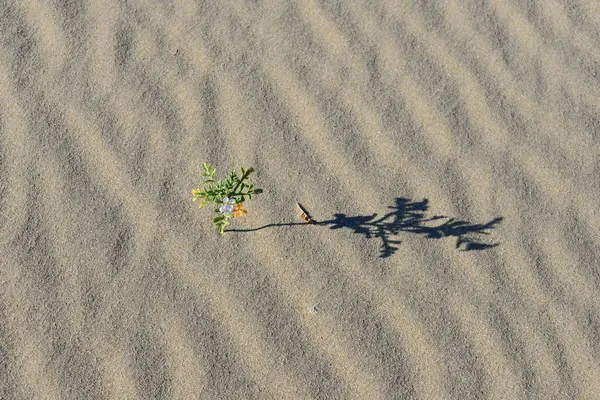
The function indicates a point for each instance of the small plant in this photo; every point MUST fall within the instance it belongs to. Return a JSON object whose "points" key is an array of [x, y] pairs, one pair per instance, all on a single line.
{"points": [[228, 197]]}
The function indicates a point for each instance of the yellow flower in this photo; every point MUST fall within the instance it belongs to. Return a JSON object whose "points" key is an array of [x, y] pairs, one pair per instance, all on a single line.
{"points": [[196, 192], [238, 212]]}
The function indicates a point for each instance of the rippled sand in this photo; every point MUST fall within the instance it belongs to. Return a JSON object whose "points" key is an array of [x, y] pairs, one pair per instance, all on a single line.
{"points": [[449, 152]]}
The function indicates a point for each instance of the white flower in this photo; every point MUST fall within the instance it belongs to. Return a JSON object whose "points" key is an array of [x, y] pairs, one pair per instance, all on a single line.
{"points": [[227, 208]]}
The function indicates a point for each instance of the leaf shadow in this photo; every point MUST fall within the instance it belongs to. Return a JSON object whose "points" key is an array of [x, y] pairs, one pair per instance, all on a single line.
{"points": [[406, 216]]}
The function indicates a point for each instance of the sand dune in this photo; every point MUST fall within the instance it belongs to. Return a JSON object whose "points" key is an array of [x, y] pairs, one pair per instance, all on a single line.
{"points": [[448, 152]]}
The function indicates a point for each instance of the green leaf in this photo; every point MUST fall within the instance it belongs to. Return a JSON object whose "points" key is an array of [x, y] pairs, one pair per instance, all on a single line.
{"points": [[217, 219], [258, 191]]}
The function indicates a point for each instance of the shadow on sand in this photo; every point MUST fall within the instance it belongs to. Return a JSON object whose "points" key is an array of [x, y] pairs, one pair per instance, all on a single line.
{"points": [[406, 216]]}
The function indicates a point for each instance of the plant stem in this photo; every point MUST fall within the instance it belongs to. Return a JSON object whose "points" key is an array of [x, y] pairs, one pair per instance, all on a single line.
{"points": [[246, 174], [239, 194]]}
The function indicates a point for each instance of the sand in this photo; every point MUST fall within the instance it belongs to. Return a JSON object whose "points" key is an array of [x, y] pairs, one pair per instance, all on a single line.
{"points": [[447, 150]]}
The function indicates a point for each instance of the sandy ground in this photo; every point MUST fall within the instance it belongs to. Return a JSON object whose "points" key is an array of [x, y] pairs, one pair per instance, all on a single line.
{"points": [[449, 151]]}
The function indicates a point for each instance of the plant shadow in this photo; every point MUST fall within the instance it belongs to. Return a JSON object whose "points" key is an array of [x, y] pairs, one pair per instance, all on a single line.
{"points": [[406, 216]]}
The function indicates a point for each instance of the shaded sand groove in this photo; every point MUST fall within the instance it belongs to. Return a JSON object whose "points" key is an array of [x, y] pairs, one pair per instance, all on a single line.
{"points": [[114, 285]]}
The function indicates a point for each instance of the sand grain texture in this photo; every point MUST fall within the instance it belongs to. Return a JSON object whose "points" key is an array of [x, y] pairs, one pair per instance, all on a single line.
{"points": [[449, 152]]}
